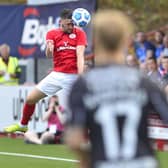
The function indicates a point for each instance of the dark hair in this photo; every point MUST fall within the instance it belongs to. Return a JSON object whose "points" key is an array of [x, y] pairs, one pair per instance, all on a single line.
{"points": [[165, 56], [66, 14], [152, 58], [161, 32]]}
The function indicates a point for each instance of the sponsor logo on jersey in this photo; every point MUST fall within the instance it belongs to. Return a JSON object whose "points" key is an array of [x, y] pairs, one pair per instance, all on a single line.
{"points": [[66, 48]]}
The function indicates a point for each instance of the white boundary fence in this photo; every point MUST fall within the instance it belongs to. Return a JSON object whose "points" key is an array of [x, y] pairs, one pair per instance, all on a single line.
{"points": [[11, 104]]}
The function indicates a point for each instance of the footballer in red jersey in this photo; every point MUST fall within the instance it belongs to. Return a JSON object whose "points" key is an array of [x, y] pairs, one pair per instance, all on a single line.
{"points": [[66, 45]]}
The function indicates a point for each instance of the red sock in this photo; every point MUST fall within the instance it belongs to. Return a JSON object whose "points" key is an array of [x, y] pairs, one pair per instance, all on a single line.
{"points": [[28, 110]]}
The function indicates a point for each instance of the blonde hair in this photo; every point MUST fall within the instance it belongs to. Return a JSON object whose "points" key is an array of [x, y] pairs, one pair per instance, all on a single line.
{"points": [[111, 28]]}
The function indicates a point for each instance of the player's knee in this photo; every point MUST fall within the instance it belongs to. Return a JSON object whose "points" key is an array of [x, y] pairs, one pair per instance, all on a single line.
{"points": [[34, 96], [31, 99]]}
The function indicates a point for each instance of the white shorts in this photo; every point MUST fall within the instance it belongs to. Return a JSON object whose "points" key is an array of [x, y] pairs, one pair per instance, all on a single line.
{"points": [[57, 81]]}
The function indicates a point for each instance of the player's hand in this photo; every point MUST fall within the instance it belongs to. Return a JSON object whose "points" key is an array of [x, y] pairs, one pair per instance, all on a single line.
{"points": [[50, 46]]}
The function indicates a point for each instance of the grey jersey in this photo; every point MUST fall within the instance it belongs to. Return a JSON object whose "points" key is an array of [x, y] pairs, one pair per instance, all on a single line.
{"points": [[113, 102]]}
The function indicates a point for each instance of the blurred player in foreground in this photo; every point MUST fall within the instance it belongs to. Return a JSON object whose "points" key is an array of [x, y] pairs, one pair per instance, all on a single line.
{"points": [[66, 45], [112, 101]]}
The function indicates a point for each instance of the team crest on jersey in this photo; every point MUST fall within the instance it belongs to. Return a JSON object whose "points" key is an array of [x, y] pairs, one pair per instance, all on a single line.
{"points": [[72, 36]]}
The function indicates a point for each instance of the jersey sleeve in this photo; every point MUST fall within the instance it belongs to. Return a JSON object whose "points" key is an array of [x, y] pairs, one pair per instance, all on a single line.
{"points": [[50, 36], [157, 100], [77, 112], [82, 38]]}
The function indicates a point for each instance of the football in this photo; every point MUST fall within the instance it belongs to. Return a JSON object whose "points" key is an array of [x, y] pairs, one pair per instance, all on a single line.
{"points": [[81, 17]]}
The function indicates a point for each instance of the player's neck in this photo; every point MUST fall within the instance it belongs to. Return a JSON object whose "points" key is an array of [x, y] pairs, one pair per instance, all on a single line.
{"points": [[109, 58]]}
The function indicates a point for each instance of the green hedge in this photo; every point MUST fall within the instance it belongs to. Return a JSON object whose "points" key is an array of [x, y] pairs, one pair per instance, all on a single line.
{"points": [[148, 14]]}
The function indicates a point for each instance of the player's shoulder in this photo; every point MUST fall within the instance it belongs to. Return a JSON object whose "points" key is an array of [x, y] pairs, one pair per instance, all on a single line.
{"points": [[115, 72], [54, 31], [115, 68]]}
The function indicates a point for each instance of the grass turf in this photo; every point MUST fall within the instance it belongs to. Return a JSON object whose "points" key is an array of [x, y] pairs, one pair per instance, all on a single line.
{"points": [[60, 151], [18, 146]]}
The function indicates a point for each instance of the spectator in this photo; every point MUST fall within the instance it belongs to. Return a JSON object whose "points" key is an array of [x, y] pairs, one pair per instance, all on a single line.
{"points": [[152, 70], [9, 68], [165, 41], [150, 53], [143, 65], [164, 62], [142, 45], [55, 119], [165, 46], [131, 60], [131, 47], [159, 35], [164, 70]]}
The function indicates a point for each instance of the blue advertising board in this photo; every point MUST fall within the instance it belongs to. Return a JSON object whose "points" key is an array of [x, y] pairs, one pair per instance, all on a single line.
{"points": [[24, 27]]}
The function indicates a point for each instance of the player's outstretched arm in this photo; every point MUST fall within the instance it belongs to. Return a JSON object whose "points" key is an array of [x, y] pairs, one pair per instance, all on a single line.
{"points": [[80, 58], [49, 49], [75, 133]]}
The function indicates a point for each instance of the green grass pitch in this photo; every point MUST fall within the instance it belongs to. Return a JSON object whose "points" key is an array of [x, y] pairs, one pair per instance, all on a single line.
{"points": [[18, 146], [57, 151]]}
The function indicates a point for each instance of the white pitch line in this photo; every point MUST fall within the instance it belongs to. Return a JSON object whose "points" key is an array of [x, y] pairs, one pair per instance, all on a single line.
{"points": [[37, 156]]}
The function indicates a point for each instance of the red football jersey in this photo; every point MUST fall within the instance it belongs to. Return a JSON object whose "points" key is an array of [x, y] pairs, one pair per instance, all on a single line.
{"points": [[65, 58]]}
